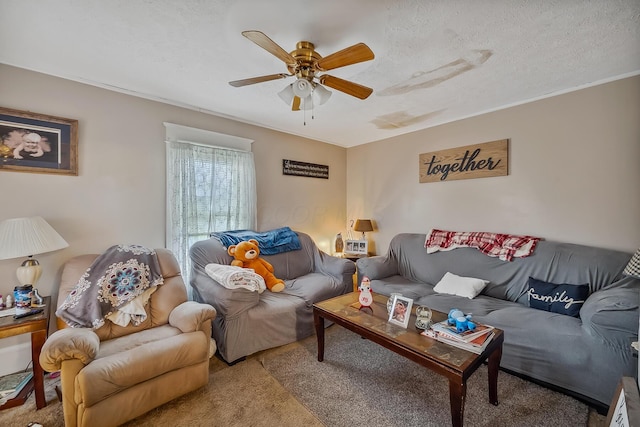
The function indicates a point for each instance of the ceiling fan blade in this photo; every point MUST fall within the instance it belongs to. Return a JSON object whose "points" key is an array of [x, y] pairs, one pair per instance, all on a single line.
{"points": [[270, 46], [296, 104], [352, 55], [350, 88], [254, 80]]}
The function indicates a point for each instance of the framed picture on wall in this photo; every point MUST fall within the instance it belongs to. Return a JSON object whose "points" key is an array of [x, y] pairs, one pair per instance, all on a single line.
{"points": [[38, 143], [356, 247]]}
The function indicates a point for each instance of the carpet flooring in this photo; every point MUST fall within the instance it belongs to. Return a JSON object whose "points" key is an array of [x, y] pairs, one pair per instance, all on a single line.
{"points": [[358, 384], [363, 384]]}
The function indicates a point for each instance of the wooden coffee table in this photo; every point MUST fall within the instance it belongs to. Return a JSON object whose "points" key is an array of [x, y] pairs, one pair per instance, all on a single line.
{"points": [[453, 363]]}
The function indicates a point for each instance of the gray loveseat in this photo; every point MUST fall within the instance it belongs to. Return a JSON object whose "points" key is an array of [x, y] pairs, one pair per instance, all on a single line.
{"points": [[248, 322], [584, 356]]}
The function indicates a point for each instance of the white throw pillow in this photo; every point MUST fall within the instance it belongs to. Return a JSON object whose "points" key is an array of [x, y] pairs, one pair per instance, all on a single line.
{"points": [[461, 286]]}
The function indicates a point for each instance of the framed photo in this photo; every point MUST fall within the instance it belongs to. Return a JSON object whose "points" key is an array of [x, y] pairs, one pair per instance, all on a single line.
{"points": [[37, 143], [356, 247], [625, 406], [400, 310]]}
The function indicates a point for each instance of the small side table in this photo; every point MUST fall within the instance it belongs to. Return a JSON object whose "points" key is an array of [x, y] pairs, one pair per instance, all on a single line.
{"points": [[354, 258], [37, 325]]}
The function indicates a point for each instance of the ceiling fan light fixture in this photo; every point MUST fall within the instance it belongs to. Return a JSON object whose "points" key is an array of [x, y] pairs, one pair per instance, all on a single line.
{"points": [[286, 94], [302, 88], [320, 94]]}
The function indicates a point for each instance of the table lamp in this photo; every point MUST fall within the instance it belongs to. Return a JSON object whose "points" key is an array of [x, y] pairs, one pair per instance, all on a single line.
{"points": [[20, 237], [363, 225]]}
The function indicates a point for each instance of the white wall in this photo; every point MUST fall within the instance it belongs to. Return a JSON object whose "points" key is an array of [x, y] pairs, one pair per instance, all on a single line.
{"points": [[119, 195], [574, 173]]}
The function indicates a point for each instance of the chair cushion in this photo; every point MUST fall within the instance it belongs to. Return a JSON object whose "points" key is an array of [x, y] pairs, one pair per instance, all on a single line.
{"points": [[114, 371]]}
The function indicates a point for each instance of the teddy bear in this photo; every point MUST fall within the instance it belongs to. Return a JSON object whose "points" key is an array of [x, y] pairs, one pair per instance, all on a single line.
{"points": [[247, 254]]}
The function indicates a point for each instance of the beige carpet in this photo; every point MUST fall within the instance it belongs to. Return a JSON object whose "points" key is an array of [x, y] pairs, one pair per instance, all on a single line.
{"points": [[248, 394]]}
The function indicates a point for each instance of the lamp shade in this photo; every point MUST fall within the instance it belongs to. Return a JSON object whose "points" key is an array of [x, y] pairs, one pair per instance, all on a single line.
{"points": [[310, 94], [320, 94], [286, 94], [363, 225], [633, 268], [302, 88], [28, 236]]}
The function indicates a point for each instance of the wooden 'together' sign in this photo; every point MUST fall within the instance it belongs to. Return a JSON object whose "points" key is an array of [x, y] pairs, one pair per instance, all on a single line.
{"points": [[472, 161]]}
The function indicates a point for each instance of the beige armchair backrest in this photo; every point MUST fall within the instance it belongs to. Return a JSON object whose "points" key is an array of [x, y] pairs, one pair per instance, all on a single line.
{"points": [[168, 296]]}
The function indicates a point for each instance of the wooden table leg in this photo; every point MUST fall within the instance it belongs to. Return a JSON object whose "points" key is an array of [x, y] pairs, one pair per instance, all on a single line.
{"points": [[319, 324], [494, 368], [457, 396], [37, 341]]}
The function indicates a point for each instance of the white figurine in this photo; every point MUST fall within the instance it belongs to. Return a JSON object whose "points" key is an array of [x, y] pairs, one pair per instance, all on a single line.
{"points": [[365, 298]]}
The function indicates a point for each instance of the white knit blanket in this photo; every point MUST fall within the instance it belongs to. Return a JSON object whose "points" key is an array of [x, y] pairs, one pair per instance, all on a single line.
{"points": [[232, 277]]}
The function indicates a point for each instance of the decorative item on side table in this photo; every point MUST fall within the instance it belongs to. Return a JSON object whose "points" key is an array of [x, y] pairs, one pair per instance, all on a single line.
{"points": [[356, 248], [20, 237], [400, 310], [339, 245]]}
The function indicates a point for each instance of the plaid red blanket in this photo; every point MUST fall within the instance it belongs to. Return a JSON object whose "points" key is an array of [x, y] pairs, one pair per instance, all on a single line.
{"points": [[504, 246]]}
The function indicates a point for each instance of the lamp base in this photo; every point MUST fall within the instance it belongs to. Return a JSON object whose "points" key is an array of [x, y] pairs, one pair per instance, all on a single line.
{"points": [[29, 272]]}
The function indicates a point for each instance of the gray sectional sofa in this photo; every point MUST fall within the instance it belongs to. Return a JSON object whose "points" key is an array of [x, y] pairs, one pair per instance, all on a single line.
{"points": [[248, 322], [584, 356]]}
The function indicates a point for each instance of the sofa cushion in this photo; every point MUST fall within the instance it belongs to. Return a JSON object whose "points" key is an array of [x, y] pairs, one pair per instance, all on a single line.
{"points": [[109, 375], [557, 298], [453, 284], [401, 285]]}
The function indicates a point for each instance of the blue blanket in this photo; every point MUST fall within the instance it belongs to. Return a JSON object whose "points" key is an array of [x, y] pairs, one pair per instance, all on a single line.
{"points": [[270, 242]]}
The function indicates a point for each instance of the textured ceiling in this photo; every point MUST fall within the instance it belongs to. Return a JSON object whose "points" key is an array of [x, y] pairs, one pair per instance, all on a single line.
{"points": [[435, 61]]}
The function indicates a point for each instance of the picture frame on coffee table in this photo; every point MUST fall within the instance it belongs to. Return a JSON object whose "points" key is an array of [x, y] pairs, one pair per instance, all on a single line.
{"points": [[400, 310]]}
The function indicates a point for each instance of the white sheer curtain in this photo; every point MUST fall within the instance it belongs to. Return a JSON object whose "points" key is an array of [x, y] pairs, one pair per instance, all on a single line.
{"points": [[208, 189]]}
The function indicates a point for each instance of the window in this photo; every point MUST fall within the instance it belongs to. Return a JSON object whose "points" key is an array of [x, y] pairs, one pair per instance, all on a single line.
{"points": [[208, 189]]}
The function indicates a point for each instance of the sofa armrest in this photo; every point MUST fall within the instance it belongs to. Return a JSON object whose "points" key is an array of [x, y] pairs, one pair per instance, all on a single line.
{"points": [[71, 343], [611, 314], [334, 266], [376, 267], [227, 302], [190, 315]]}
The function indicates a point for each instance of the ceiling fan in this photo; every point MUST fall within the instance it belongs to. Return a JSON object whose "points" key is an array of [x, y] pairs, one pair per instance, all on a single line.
{"points": [[305, 63]]}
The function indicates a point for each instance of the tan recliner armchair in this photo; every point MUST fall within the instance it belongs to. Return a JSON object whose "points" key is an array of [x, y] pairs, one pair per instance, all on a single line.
{"points": [[113, 374]]}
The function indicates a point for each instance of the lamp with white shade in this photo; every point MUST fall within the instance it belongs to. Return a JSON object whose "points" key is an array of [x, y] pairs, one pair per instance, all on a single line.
{"points": [[20, 237]]}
